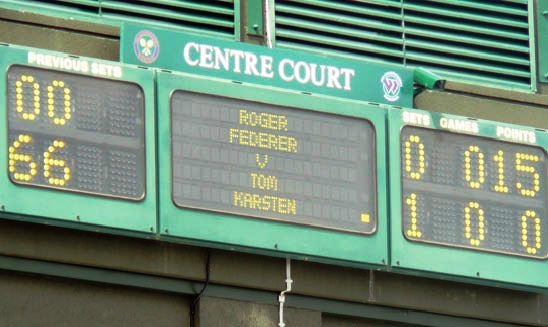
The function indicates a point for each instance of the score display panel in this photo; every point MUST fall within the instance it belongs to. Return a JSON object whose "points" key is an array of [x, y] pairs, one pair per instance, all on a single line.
{"points": [[77, 145], [468, 198], [271, 171]]}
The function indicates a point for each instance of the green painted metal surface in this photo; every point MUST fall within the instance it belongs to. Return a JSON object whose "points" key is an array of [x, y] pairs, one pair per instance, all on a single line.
{"points": [[472, 41], [542, 32], [281, 68], [250, 232], [255, 17], [468, 199], [217, 18], [60, 197]]}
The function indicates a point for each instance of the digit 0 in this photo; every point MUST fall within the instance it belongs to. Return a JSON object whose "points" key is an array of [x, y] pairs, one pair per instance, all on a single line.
{"points": [[26, 84], [474, 183], [414, 141], [530, 215], [480, 234], [65, 91]]}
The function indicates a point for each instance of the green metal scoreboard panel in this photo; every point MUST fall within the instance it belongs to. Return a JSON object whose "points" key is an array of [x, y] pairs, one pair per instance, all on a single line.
{"points": [[468, 199], [271, 171], [79, 140]]}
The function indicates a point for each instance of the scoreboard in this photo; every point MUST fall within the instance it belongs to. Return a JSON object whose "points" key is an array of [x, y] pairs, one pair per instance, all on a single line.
{"points": [[468, 197], [75, 133], [492, 188], [270, 170], [76, 146], [188, 158]]}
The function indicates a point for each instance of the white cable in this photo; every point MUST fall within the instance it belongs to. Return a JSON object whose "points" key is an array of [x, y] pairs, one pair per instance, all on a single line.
{"points": [[268, 31], [281, 297]]}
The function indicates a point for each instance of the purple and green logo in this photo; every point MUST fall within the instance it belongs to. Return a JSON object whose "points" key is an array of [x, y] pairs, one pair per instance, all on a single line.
{"points": [[146, 47], [391, 85]]}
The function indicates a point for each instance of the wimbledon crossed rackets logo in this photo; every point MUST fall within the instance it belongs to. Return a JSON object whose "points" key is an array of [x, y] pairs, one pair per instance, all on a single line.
{"points": [[391, 85], [146, 47]]}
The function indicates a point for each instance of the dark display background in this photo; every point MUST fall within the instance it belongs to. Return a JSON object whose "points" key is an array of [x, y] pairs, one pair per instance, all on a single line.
{"points": [[331, 176]]}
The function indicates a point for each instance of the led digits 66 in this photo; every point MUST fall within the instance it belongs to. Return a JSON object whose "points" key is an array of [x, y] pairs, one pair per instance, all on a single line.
{"points": [[473, 192], [75, 132]]}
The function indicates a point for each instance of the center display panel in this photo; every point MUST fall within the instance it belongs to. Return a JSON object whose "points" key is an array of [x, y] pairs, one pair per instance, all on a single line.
{"points": [[259, 160]]}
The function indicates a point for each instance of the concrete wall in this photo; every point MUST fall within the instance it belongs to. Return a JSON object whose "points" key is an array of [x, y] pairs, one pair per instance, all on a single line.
{"points": [[31, 300]]}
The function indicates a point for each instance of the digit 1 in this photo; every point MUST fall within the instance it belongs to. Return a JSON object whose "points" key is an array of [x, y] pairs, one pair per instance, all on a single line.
{"points": [[14, 157], [66, 103], [19, 99], [530, 214], [474, 206], [530, 170], [499, 158], [468, 166], [60, 163], [411, 201], [414, 140]]}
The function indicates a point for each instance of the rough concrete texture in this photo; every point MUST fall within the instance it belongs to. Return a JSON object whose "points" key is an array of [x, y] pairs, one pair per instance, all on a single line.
{"points": [[217, 312]]}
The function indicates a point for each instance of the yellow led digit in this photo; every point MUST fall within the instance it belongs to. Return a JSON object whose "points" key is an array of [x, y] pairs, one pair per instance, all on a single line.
{"points": [[14, 156], [474, 206], [500, 186], [411, 201], [535, 177], [474, 183], [20, 97], [414, 141], [530, 215], [66, 103], [50, 163]]}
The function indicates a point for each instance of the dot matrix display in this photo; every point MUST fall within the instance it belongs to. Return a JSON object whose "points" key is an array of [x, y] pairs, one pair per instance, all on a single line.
{"points": [[272, 162], [75, 133], [472, 192]]}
